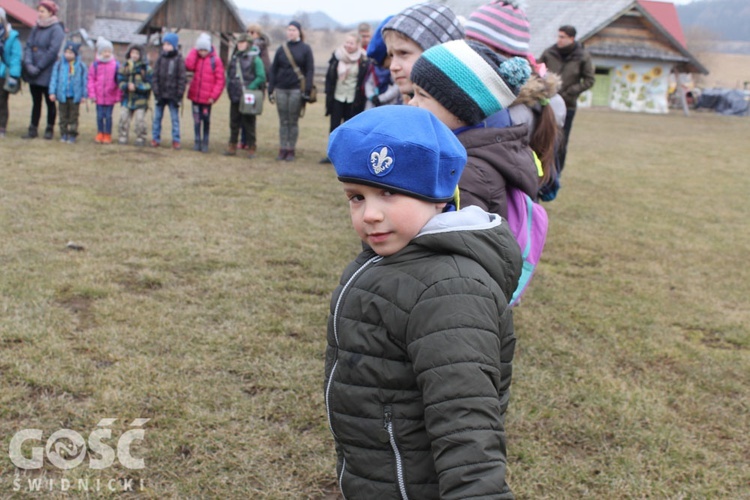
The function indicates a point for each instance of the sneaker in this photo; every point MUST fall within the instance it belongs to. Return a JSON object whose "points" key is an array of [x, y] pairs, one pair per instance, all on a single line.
{"points": [[64, 138], [106, 138], [176, 145], [99, 138], [48, 133], [197, 146], [154, 143], [122, 141], [251, 152], [71, 139]]}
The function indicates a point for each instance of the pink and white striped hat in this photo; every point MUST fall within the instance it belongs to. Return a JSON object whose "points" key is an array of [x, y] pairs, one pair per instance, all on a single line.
{"points": [[501, 25]]}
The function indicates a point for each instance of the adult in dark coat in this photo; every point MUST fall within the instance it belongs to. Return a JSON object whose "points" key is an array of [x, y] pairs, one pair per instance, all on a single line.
{"points": [[39, 55], [573, 63]]}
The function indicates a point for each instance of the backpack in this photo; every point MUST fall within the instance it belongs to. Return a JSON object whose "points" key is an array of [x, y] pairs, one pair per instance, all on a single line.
{"points": [[528, 222]]}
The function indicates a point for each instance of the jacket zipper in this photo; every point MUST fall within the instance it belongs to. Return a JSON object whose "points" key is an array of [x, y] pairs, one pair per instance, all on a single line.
{"points": [[388, 429], [373, 260]]}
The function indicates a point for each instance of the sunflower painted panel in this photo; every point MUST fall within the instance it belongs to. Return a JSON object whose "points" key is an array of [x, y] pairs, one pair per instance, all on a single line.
{"points": [[640, 87]]}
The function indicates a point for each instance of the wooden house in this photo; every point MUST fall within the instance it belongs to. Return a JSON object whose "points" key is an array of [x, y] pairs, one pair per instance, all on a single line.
{"points": [[121, 32], [218, 17], [20, 16], [635, 45]]}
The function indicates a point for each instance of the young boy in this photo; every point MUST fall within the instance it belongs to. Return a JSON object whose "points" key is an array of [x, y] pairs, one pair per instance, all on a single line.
{"points": [[134, 79], [169, 87], [462, 84], [420, 335], [411, 32], [67, 86]]}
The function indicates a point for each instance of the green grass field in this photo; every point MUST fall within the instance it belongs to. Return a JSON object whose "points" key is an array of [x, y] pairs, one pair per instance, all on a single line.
{"points": [[200, 301]]}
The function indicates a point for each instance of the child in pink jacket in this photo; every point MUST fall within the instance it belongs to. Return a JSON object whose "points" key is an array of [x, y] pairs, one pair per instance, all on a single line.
{"points": [[206, 86], [103, 89]]}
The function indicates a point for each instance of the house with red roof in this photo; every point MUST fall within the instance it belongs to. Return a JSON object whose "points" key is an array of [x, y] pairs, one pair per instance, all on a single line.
{"points": [[635, 45], [21, 16]]}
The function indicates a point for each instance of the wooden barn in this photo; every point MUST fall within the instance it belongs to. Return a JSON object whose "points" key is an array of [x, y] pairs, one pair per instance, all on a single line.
{"points": [[218, 17], [635, 46], [121, 32], [20, 16]]}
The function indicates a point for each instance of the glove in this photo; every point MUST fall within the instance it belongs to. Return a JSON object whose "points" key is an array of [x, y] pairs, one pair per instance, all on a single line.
{"points": [[32, 70], [376, 100], [271, 98], [11, 84]]}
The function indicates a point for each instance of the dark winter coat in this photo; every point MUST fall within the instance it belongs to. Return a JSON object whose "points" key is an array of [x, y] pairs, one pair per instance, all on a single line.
{"points": [[40, 53], [282, 75], [418, 363], [332, 77], [575, 68], [169, 76], [496, 157], [139, 73], [253, 73]]}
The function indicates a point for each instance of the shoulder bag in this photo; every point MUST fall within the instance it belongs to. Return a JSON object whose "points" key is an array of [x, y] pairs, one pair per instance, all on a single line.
{"points": [[251, 102], [313, 97]]}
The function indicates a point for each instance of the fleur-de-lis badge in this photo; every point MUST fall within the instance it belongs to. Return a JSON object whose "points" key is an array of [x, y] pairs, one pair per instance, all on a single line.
{"points": [[381, 161]]}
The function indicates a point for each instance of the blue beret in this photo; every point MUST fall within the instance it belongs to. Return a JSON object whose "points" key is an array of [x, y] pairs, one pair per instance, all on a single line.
{"points": [[401, 148]]}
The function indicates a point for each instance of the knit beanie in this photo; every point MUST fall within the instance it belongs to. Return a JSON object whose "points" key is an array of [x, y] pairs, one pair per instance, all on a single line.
{"points": [[376, 49], [172, 39], [469, 79], [428, 24], [49, 5], [296, 25], [502, 25], [404, 149], [203, 42], [72, 46], [103, 44]]}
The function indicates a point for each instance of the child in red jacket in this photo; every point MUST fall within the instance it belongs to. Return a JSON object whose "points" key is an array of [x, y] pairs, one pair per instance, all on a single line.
{"points": [[205, 88]]}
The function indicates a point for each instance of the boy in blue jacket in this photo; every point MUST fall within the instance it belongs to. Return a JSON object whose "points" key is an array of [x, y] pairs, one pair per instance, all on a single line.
{"points": [[68, 86]]}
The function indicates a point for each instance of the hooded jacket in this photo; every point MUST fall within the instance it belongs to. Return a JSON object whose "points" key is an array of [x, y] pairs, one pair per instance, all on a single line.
{"points": [[62, 81], [418, 363], [40, 53], [102, 82], [497, 157], [575, 69], [169, 76], [208, 76], [138, 73], [10, 63]]}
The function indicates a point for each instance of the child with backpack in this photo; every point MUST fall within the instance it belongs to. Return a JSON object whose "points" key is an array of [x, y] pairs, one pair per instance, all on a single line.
{"points": [[463, 83], [67, 87], [205, 87], [103, 89], [169, 87], [420, 334], [134, 79]]}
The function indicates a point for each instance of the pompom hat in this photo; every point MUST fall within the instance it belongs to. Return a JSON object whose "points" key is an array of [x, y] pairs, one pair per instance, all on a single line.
{"points": [[404, 149], [469, 79], [501, 25], [103, 44], [73, 47], [203, 42], [428, 24]]}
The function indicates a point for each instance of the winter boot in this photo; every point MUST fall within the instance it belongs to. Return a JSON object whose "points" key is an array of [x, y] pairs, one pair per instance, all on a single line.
{"points": [[231, 149], [204, 145], [251, 152], [33, 133], [289, 155], [282, 154], [48, 132]]}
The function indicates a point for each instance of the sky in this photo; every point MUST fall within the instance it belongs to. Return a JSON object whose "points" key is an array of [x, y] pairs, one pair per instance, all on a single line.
{"points": [[343, 11]]}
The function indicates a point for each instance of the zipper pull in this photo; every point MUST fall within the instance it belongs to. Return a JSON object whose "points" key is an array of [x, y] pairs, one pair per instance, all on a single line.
{"points": [[384, 435]]}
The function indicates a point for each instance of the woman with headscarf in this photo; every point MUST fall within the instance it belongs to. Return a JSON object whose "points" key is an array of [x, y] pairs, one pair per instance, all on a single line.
{"points": [[285, 86], [40, 54]]}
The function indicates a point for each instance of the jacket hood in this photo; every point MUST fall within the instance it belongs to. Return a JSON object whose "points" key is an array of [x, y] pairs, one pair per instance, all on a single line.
{"points": [[140, 50], [538, 88], [480, 236]]}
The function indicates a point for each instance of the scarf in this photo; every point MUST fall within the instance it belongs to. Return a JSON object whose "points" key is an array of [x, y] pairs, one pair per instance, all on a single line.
{"points": [[46, 23], [346, 61]]}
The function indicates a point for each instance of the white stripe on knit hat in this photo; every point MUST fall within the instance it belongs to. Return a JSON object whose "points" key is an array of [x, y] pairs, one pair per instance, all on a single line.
{"points": [[486, 73], [494, 36]]}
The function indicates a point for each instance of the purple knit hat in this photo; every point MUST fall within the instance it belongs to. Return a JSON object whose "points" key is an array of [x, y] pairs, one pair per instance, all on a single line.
{"points": [[501, 25]]}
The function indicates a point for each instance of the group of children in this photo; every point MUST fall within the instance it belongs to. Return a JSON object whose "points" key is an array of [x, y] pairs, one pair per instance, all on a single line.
{"points": [[107, 82]]}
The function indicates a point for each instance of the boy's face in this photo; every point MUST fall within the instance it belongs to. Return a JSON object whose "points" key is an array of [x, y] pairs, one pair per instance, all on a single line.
{"points": [[135, 55], [365, 37], [403, 53], [243, 45], [387, 221], [424, 100], [69, 55], [167, 47]]}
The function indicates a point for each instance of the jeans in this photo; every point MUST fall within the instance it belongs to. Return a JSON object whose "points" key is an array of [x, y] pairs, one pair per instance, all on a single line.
{"points": [[37, 92], [174, 113], [104, 118], [288, 104], [201, 115]]}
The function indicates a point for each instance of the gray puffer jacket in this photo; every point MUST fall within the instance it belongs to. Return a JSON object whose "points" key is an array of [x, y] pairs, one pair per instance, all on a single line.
{"points": [[418, 363], [40, 53]]}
